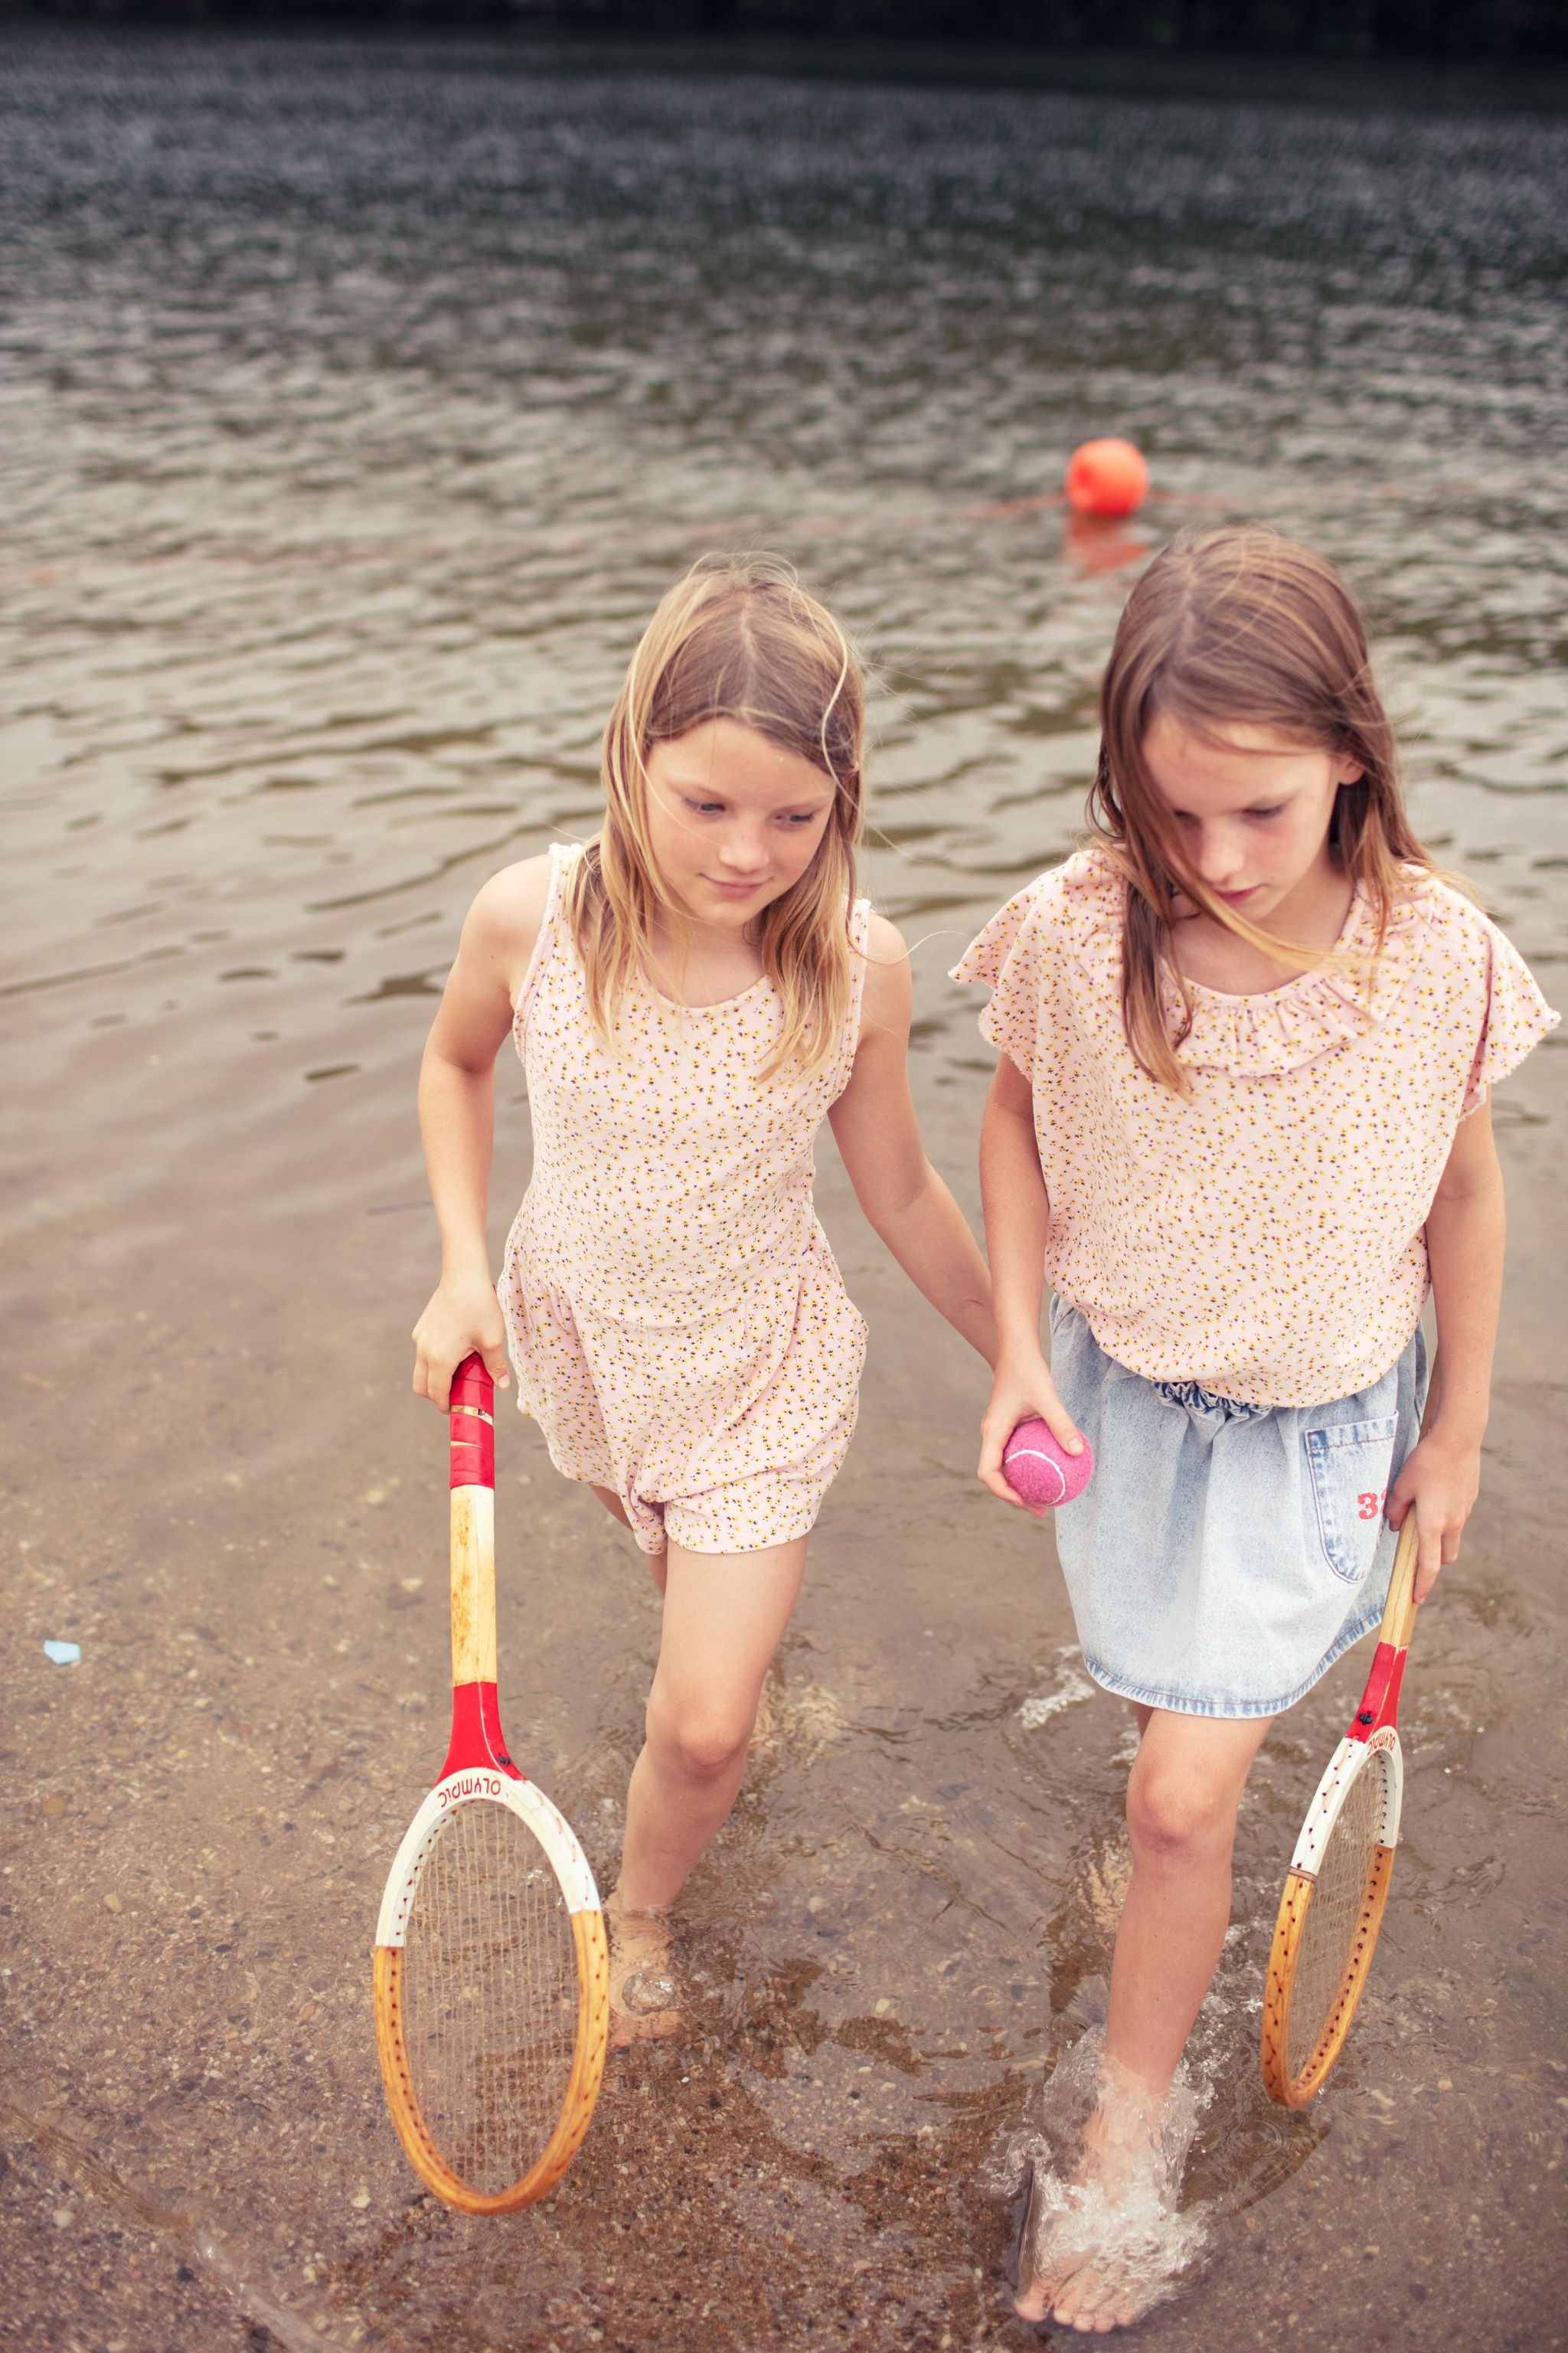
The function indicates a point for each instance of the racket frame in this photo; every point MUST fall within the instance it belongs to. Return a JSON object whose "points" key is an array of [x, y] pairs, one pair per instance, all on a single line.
{"points": [[1373, 1732], [478, 1771]]}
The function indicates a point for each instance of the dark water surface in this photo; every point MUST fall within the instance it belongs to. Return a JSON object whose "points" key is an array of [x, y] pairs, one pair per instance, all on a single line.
{"points": [[355, 404]]}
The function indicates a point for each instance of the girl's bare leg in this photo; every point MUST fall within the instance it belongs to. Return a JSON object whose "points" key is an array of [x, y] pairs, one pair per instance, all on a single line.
{"points": [[1182, 1803], [724, 1616]]}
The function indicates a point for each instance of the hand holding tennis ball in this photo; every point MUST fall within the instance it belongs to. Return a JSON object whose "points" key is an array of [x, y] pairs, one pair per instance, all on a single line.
{"points": [[1038, 1468], [1027, 1437]]}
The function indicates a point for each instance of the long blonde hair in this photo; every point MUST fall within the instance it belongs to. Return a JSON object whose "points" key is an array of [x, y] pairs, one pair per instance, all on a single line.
{"points": [[1236, 625], [738, 638]]}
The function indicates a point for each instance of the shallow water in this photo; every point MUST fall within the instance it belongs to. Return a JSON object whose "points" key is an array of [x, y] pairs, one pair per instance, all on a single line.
{"points": [[357, 402]]}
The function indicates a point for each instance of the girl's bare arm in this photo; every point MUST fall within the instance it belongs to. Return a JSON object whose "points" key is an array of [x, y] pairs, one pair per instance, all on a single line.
{"points": [[902, 1196], [456, 1122], [1017, 1222], [1465, 1225]]}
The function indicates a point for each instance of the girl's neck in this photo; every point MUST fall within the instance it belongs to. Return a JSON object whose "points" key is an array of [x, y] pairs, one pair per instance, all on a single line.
{"points": [[1312, 915], [699, 964]]}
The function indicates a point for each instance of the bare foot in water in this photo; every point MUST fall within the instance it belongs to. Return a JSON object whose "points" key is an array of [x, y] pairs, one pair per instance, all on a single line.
{"points": [[645, 2001], [1098, 2252]]}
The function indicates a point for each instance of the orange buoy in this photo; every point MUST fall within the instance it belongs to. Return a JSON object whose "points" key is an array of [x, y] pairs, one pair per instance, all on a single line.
{"points": [[1107, 478]]}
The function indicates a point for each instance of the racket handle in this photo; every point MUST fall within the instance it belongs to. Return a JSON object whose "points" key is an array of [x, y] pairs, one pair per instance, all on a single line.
{"points": [[1399, 1612], [473, 1430]]}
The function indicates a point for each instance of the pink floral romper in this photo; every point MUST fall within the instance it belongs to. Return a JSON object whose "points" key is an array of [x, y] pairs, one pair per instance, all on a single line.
{"points": [[678, 1327]]}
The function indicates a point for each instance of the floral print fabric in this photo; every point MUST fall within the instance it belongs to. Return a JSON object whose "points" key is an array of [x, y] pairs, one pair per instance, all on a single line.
{"points": [[677, 1322], [1262, 1236]]}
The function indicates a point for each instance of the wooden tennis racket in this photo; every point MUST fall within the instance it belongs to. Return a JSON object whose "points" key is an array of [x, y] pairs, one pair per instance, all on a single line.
{"points": [[491, 1966], [1337, 1886]]}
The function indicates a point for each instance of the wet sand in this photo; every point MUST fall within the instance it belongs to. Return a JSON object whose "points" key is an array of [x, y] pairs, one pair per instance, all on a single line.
{"points": [[244, 1527], [283, 689]]}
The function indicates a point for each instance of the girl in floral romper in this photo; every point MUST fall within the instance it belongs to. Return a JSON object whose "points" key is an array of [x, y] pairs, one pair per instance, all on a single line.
{"points": [[1240, 1124], [691, 995]]}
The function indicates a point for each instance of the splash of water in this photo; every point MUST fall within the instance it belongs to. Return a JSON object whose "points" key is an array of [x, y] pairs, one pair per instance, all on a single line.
{"points": [[1071, 1688], [1067, 1688], [1131, 2229]]}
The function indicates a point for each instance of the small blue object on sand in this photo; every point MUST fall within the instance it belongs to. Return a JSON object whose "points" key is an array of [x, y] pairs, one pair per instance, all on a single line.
{"points": [[64, 1654]]}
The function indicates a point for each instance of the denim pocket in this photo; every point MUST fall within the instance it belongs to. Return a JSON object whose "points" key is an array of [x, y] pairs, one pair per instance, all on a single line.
{"points": [[1350, 1463]]}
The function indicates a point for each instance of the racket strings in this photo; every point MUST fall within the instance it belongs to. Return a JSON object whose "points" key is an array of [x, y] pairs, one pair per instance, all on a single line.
{"points": [[489, 1996], [1340, 1928]]}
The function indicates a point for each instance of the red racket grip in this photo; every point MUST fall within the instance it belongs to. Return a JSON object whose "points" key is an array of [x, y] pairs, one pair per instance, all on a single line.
{"points": [[472, 1409]]}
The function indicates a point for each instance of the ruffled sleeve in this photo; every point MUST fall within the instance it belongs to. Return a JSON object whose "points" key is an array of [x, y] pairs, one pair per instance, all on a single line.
{"points": [[1517, 1017], [1056, 939], [1007, 958]]}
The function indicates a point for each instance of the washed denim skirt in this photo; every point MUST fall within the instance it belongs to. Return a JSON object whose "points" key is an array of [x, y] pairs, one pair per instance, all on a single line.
{"points": [[1223, 1555]]}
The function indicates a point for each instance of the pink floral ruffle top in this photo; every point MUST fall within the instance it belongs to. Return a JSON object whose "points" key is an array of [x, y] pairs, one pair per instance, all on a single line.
{"points": [[1264, 1235]]}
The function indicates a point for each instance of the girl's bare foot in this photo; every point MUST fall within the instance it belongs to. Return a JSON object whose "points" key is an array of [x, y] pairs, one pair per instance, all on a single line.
{"points": [[1098, 2252], [645, 2001]]}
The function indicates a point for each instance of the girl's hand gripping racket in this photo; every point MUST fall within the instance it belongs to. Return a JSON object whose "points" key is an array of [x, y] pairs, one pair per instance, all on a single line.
{"points": [[1331, 1910], [491, 1968]]}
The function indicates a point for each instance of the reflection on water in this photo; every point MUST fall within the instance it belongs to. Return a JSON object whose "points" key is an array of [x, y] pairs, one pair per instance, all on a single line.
{"points": [[358, 402]]}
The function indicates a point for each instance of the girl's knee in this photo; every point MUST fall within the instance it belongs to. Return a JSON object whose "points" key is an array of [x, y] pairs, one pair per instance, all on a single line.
{"points": [[701, 1740], [1177, 1811]]}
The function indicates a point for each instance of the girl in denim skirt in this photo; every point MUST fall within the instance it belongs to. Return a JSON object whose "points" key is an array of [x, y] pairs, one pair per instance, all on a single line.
{"points": [[1240, 1123]]}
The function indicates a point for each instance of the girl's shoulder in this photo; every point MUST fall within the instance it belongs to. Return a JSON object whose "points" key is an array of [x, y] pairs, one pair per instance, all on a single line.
{"points": [[512, 914], [1469, 966], [516, 893], [887, 989], [1067, 923], [883, 941], [1439, 929], [1071, 911], [1444, 918]]}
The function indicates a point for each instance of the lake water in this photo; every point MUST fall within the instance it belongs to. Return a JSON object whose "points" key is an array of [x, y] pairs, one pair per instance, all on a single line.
{"points": [[358, 401]]}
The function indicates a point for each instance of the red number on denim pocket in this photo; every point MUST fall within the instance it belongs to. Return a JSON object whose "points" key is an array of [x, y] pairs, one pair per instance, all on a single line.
{"points": [[1370, 1505]]}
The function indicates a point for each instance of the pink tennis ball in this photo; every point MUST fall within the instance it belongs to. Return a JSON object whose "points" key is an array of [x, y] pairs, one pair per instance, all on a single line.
{"points": [[1040, 1470], [1107, 478]]}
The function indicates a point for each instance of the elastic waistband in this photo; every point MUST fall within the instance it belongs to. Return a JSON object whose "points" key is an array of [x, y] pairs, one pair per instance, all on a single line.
{"points": [[1205, 1403]]}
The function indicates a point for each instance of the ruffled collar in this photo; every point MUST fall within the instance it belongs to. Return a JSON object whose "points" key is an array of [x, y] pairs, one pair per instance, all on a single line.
{"points": [[1273, 1030]]}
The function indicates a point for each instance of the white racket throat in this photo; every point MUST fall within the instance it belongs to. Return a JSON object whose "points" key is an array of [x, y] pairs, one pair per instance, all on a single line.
{"points": [[1349, 1761], [482, 1786]]}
